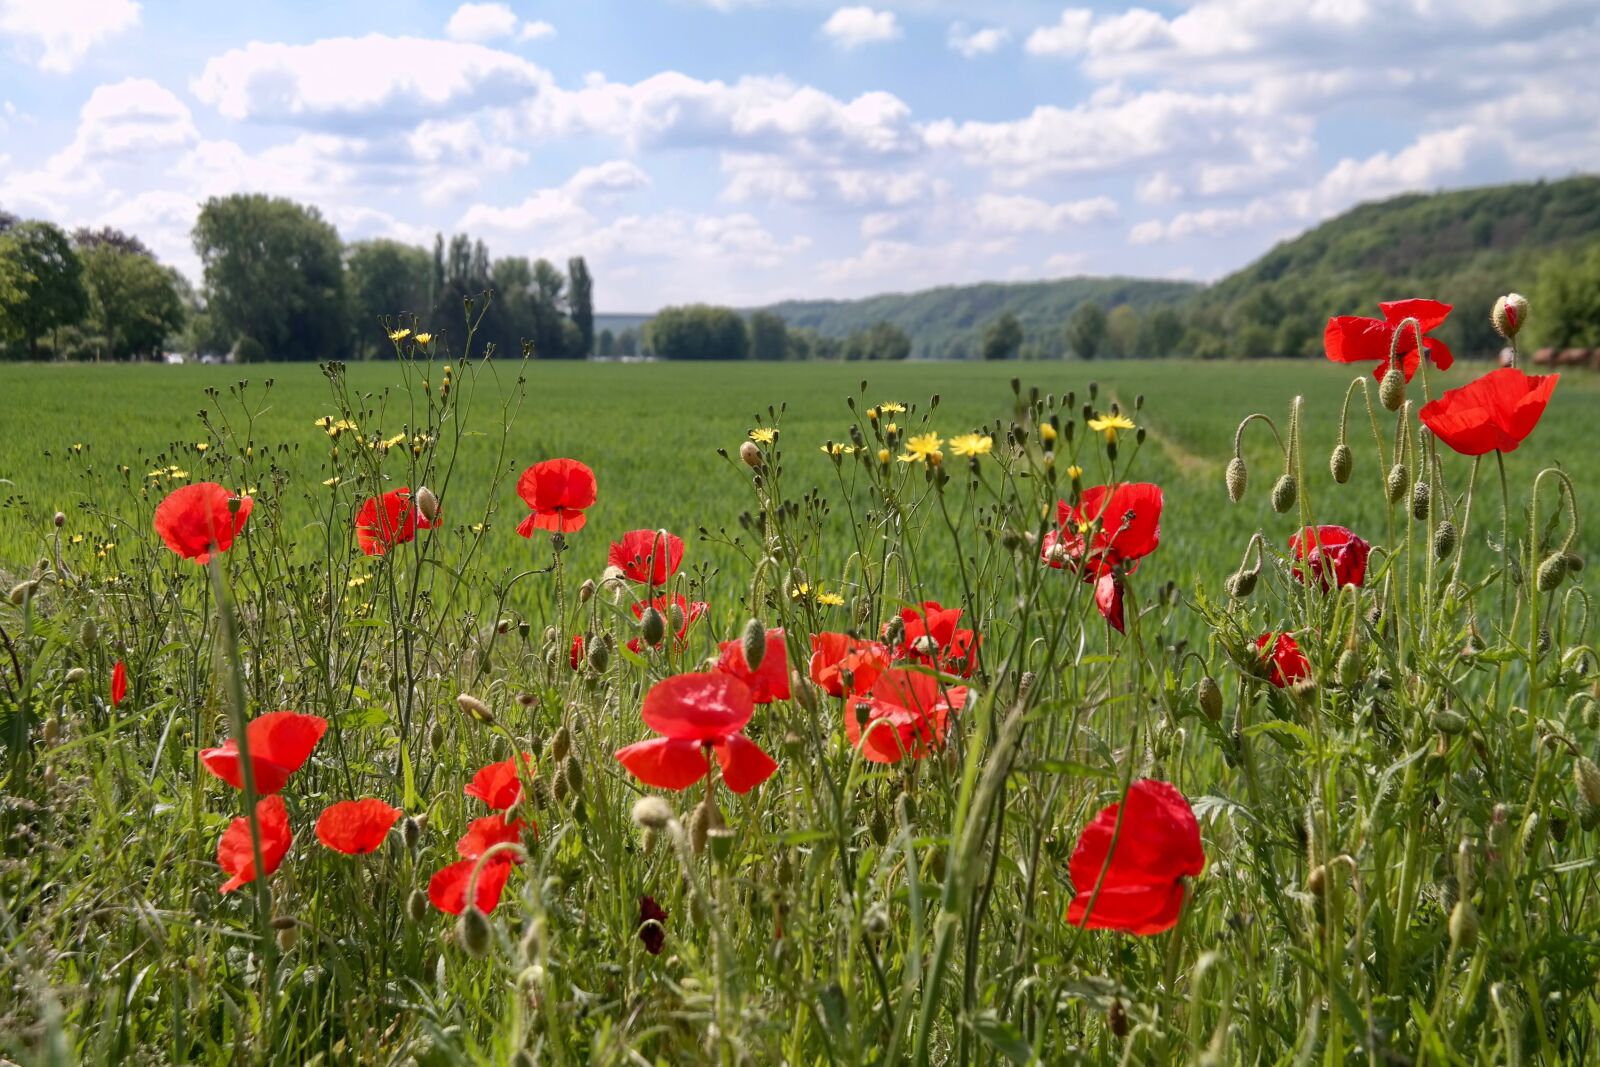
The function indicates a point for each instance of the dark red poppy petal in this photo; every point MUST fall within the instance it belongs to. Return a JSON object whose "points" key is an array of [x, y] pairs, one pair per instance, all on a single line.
{"points": [[499, 785], [483, 834], [1430, 314], [1353, 339]]}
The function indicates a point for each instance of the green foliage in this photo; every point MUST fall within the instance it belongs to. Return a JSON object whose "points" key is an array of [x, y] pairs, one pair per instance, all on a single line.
{"points": [[1086, 330], [135, 303], [607, 344], [580, 298], [698, 331], [880, 341], [44, 276], [1002, 338], [1161, 333], [1122, 332], [769, 336], [384, 279], [1566, 301]]}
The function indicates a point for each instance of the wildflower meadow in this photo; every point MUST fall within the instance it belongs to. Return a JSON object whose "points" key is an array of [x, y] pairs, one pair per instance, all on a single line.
{"points": [[425, 713]]}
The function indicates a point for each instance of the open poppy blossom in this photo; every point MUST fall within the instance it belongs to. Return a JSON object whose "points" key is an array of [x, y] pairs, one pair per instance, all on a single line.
{"points": [[1142, 888], [906, 714], [696, 713], [447, 889], [236, 856], [280, 743], [1110, 525], [652, 925], [499, 785], [558, 491], [1353, 339], [356, 827], [575, 652], [647, 556], [1333, 554], [119, 683], [487, 832], [199, 519], [835, 656], [1496, 411], [386, 521], [768, 682], [1282, 656], [933, 638], [688, 613]]}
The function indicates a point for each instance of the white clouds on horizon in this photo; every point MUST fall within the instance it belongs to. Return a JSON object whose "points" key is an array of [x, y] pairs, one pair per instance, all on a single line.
{"points": [[63, 31]]}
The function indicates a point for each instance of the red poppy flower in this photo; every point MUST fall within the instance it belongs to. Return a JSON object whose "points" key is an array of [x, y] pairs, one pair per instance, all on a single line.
{"points": [[1108, 599], [833, 654], [1353, 339], [558, 491], [119, 683], [236, 856], [694, 713], [280, 743], [198, 519], [689, 613], [906, 714], [448, 886], [652, 925], [356, 827], [483, 834], [933, 639], [647, 556], [1157, 847], [1497, 411], [499, 785], [1287, 663], [1122, 524], [575, 653], [1332, 553], [398, 522], [768, 682]]}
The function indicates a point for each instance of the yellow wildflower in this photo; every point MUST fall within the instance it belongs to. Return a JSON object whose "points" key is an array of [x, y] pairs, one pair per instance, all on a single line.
{"points": [[330, 482], [1074, 472], [763, 435], [399, 335], [77, 539], [177, 472], [358, 581], [834, 448], [391, 442], [923, 447], [891, 429], [832, 600], [892, 408], [1047, 433], [800, 590], [1110, 424], [201, 446], [324, 422], [972, 444], [883, 455], [424, 338]]}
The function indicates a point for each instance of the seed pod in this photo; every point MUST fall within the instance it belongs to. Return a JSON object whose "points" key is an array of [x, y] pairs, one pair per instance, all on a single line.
{"points": [[475, 708], [652, 627], [436, 736], [572, 774], [472, 930], [651, 813], [599, 656], [705, 818], [1209, 694], [1587, 777], [1317, 880], [417, 906], [1348, 669], [288, 938], [1574, 563], [804, 695], [1341, 462], [1242, 583], [560, 745], [1552, 571], [428, 504], [755, 644], [1392, 390], [879, 827], [411, 832], [22, 590], [1463, 924], [905, 808], [52, 731], [1444, 539], [1395, 486], [88, 634], [1449, 722], [1421, 497], [76, 675], [1284, 493], [751, 454], [1236, 479]]}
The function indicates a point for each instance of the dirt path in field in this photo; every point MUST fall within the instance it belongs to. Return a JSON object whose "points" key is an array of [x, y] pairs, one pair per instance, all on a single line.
{"points": [[1190, 465]]}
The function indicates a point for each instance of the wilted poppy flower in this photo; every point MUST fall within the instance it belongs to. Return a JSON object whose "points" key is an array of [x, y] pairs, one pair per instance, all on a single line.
{"points": [[235, 854], [200, 518], [768, 682], [487, 832], [356, 827], [447, 889], [1334, 554], [695, 713], [280, 743], [933, 638], [1108, 599], [1157, 847], [1281, 654], [905, 714], [652, 925], [388, 520], [575, 653], [835, 654], [558, 491], [119, 683], [647, 556], [688, 613], [1110, 525], [1497, 411], [1353, 339], [499, 785]]}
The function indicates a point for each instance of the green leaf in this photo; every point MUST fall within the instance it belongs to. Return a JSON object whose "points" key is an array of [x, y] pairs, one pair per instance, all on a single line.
{"points": [[1003, 1038]]}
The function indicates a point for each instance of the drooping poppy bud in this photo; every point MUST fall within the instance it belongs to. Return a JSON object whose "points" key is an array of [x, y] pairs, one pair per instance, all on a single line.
{"points": [[1341, 462], [427, 504], [1242, 583], [1444, 539], [1284, 494], [755, 644], [475, 708], [652, 627], [1552, 571], [472, 929], [1209, 694], [1395, 484], [1392, 390], [1236, 479], [1463, 925], [1421, 497]]}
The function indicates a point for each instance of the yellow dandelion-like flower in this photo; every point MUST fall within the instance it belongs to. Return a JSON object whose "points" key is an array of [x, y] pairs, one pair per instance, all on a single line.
{"points": [[1047, 433], [391, 442], [923, 447], [77, 448], [1110, 424], [800, 590], [156, 474], [763, 435], [358, 581], [324, 423], [399, 335], [201, 446], [972, 444], [891, 408], [424, 338], [477, 527], [872, 413], [832, 600], [883, 455], [331, 482], [834, 448], [177, 472], [1074, 472], [77, 539], [891, 429]]}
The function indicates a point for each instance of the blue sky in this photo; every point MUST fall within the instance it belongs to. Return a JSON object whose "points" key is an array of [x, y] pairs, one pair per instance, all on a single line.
{"points": [[744, 151]]}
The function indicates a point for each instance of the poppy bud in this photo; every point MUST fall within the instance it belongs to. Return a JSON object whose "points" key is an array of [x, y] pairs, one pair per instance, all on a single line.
{"points": [[1241, 584], [1317, 880], [1341, 462], [1574, 563], [1392, 390], [60, 520], [1348, 669], [705, 818], [22, 590], [560, 745], [652, 627], [599, 656], [428, 504], [1551, 571], [472, 930], [1236, 479], [1463, 924], [52, 731], [572, 773], [1509, 315], [475, 708], [1210, 696], [1395, 486], [875, 923], [417, 906], [751, 454], [1117, 1019], [1421, 496], [755, 644], [436, 736], [905, 808], [76, 675], [88, 634], [800, 686], [651, 813], [586, 591], [288, 938], [1444, 539], [675, 617], [1449, 722], [879, 827], [1284, 493], [411, 832], [1587, 777]]}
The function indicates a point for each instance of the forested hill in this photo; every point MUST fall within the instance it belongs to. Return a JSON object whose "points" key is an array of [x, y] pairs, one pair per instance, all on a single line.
{"points": [[948, 322]]}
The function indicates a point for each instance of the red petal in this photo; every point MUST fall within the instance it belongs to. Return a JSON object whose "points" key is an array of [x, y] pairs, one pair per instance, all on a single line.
{"points": [[196, 518], [1430, 314], [499, 785], [1108, 598], [119, 683], [235, 852], [1352, 339], [1157, 844], [768, 682], [665, 762], [285, 738], [483, 834], [447, 889], [698, 707], [356, 827], [744, 764], [647, 556]]}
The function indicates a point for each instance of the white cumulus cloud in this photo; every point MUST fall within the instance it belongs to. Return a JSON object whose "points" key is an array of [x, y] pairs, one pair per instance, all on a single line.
{"points": [[852, 27], [57, 34]]}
